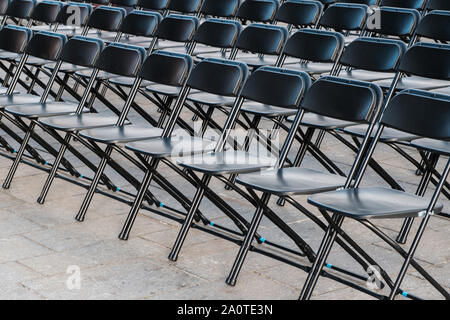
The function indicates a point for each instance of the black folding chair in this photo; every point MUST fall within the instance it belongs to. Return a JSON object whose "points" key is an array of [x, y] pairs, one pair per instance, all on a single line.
{"points": [[78, 51], [263, 11], [411, 4], [213, 81], [299, 14], [411, 111], [219, 9], [437, 5], [19, 10]]}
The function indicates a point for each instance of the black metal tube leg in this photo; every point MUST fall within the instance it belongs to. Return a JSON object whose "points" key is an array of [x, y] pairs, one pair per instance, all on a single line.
{"points": [[90, 194], [173, 256], [15, 165], [52, 174], [245, 246], [125, 233]]}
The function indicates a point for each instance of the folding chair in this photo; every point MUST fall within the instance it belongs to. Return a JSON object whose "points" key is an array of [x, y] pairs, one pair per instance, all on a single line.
{"points": [[266, 85], [412, 111], [153, 5], [437, 5], [219, 9], [130, 58], [169, 83], [78, 51], [210, 80], [263, 11], [411, 4], [329, 97], [19, 10], [299, 13]]}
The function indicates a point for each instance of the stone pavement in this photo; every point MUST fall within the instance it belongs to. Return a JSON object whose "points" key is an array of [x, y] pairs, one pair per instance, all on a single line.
{"points": [[42, 247]]}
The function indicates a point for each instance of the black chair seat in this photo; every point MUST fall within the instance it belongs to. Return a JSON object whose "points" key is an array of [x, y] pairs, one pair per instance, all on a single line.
{"points": [[372, 203], [80, 122], [445, 90], [199, 49], [291, 181], [6, 55], [255, 61], [266, 110], [211, 99], [127, 81], [102, 75], [321, 122], [414, 83], [35, 61], [121, 134], [365, 75], [226, 162], [432, 145], [66, 67], [15, 99], [216, 55], [48, 109], [310, 67], [388, 134], [174, 146], [163, 89]]}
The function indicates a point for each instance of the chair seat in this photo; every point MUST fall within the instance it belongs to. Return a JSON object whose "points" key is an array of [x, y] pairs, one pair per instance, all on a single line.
{"points": [[365, 75], [255, 61], [372, 203], [121, 134], [414, 83], [199, 49], [127, 81], [6, 55], [291, 181], [310, 67], [66, 67], [47, 109], [211, 99], [445, 90], [388, 135], [216, 55], [321, 122], [432, 145], [15, 99], [216, 163], [266, 110], [174, 146], [35, 61], [163, 89], [80, 121], [102, 75]]}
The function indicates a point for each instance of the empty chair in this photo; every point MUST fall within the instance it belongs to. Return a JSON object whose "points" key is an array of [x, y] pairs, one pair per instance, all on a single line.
{"points": [[299, 14], [437, 5], [184, 6], [78, 51], [330, 97], [411, 4], [257, 10], [19, 10], [219, 8], [154, 5]]}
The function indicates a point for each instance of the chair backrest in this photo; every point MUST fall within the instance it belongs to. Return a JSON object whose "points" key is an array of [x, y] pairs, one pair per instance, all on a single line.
{"points": [[374, 54], [99, 2], [366, 2], [14, 38], [315, 45], [46, 45], [46, 11], [20, 9], [218, 33], [106, 18], [219, 8], [261, 38], [217, 76], [422, 113], [177, 28], [275, 86], [185, 6], [3, 6], [411, 4], [428, 60], [141, 23], [121, 59], [300, 13], [435, 25], [343, 99], [81, 51], [123, 3], [344, 17], [257, 10], [157, 5], [438, 5], [66, 17], [397, 22], [166, 68]]}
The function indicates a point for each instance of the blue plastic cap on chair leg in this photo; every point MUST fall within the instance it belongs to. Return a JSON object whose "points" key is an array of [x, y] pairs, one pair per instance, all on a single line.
{"points": [[405, 294], [46, 163], [329, 265], [262, 239], [161, 204], [117, 189], [211, 224], [81, 176]]}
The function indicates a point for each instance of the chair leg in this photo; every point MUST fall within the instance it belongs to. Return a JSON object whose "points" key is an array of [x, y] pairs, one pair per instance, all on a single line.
{"points": [[90, 194], [52, 174], [15, 165], [173, 256], [245, 246], [125, 233]]}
